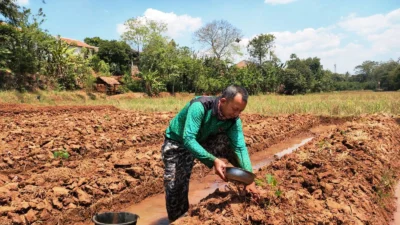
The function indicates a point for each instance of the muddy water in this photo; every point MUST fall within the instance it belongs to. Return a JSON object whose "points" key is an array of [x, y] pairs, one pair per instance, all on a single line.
{"points": [[397, 213], [152, 210]]}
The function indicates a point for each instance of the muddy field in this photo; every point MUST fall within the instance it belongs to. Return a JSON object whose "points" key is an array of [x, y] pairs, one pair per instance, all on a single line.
{"points": [[63, 164], [344, 176]]}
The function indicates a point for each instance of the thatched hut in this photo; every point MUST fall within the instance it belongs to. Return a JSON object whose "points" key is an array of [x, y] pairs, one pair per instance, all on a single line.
{"points": [[108, 85]]}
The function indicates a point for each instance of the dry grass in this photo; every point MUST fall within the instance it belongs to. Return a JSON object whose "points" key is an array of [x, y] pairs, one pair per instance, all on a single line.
{"points": [[332, 104]]}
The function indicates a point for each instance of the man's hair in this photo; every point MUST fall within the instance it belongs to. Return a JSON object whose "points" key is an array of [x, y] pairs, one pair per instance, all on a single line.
{"points": [[231, 91]]}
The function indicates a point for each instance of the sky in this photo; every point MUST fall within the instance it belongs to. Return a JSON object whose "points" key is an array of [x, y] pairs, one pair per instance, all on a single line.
{"points": [[344, 33]]}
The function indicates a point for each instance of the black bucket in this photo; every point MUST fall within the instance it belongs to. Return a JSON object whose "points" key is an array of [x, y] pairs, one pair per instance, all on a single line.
{"points": [[115, 218]]}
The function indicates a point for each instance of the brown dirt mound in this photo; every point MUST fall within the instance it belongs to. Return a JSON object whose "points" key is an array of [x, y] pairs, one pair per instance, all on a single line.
{"points": [[343, 177], [113, 158]]}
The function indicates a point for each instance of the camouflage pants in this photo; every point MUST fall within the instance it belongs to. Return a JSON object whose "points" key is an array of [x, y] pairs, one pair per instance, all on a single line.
{"points": [[178, 167]]}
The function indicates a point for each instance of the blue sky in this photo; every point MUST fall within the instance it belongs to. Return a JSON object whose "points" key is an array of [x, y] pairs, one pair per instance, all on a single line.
{"points": [[340, 32]]}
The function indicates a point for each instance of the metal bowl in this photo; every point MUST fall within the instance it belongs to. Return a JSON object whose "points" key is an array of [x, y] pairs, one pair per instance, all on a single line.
{"points": [[240, 175]]}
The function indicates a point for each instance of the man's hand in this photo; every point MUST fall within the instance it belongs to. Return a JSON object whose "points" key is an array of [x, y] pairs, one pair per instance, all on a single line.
{"points": [[251, 188], [219, 166]]}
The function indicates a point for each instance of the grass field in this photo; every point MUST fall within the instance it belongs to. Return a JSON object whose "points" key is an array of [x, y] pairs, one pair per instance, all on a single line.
{"points": [[334, 103]]}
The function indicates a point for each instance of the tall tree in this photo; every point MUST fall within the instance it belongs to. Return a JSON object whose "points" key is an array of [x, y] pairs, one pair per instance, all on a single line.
{"points": [[220, 36], [10, 11], [118, 54], [94, 41], [365, 70], [261, 46], [140, 30]]}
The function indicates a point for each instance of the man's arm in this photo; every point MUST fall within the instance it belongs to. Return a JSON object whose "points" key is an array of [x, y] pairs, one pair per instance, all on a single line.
{"points": [[192, 126], [236, 138], [238, 144]]}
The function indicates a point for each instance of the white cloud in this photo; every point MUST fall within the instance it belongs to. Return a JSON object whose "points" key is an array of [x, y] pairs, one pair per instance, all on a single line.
{"points": [[345, 57], [277, 2], [309, 38], [387, 40], [22, 2], [327, 46], [309, 42], [379, 39], [244, 42], [177, 25], [121, 28], [370, 24], [381, 30]]}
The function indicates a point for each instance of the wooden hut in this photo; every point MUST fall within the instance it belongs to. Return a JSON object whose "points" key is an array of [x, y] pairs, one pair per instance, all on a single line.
{"points": [[108, 85]]}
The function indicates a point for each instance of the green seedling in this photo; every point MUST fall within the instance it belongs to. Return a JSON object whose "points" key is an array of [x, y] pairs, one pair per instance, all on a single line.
{"points": [[274, 184], [385, 186], [259, 182], [271, 180], [63, 154], [278, 193]]}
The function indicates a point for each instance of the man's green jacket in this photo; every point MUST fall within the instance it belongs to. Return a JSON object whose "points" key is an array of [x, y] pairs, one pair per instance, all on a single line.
{"points": [[198, 120]]}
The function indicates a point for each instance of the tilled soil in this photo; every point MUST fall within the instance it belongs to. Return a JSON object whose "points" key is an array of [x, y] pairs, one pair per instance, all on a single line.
{"points": [[342, 177], [63, 164]]}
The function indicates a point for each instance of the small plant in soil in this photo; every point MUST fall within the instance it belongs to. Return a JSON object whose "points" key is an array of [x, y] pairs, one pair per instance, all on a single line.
{"points": [[63, 154], [98, 128], [385, 186], [274, 184], [259, 182]]}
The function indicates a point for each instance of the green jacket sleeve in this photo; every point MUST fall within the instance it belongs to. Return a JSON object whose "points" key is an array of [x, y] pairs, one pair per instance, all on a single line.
{"points": [[194, 117], [238, 144]]}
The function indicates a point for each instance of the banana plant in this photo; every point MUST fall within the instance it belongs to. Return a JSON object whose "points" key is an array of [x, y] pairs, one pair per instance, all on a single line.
{"points": [[153, 84]]}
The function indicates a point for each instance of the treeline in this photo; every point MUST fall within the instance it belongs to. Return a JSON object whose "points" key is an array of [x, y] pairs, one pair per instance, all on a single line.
{"points": [[31, 59]]}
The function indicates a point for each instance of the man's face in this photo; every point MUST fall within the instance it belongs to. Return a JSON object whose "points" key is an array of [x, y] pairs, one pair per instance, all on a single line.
{"points": [[232, 109]]}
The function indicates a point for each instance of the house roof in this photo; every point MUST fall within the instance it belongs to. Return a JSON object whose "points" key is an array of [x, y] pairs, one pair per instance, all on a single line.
{"points": [[109, 80], [77, 43], [242, 64]]}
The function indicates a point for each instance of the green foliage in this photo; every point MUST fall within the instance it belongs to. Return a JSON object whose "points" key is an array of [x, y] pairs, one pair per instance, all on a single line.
{"points": [[10, 11], [385, 186], [99, 66], [129, 84], [36, 59], [294, 82], [259, 182], [274, 184], [89, 82], [271, 180], [152, 82], [278, 193], [31, 59], [25, 46], [113, 57], [62, 154], [141, 31], [70, 70], [261, 46], [373, 75]]}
